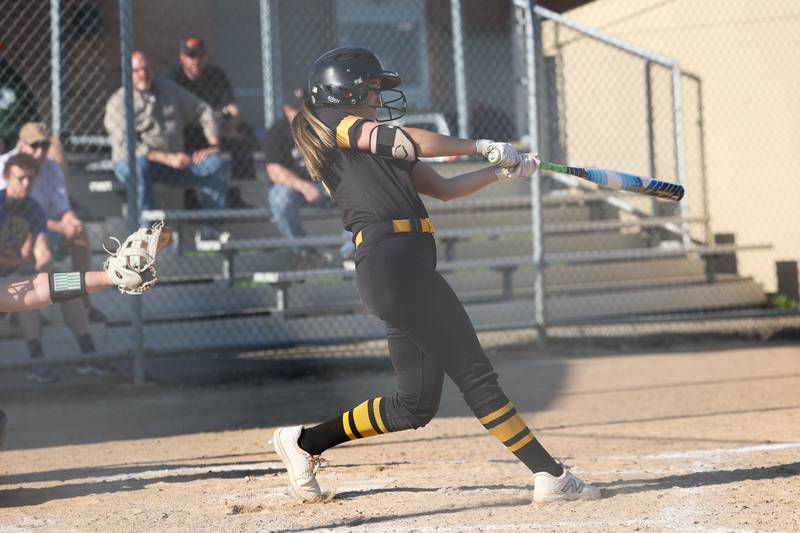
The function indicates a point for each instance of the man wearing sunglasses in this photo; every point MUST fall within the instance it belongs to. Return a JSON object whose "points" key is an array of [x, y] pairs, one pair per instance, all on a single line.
{"points": [[65, 231]]}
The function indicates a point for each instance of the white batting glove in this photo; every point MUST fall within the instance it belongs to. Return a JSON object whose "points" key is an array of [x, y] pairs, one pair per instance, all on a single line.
{"points": [[527, 167], [483, 147], [498, 153]]}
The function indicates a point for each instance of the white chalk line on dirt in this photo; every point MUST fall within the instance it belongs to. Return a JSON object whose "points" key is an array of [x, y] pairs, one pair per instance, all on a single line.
{"points": [[695, 454], [588, 525]]}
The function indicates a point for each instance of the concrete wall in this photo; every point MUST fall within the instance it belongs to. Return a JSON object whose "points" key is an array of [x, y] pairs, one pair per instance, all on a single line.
{"points": [[748, 55]]}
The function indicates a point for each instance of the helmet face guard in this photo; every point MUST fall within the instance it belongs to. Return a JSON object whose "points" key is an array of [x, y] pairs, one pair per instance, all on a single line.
{"points": [[392, 101], [393, 105], [345, 76]]}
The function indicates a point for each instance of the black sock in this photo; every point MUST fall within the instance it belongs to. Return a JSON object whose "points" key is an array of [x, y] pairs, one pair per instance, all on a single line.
{"points": [[509, 428], [319, 438], [537, 459], [364, 420]]}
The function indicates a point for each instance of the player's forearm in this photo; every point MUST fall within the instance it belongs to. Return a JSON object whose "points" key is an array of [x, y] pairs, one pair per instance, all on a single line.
{"points": [[35, 292], [96, 281], [432, 144], [469, 183]]}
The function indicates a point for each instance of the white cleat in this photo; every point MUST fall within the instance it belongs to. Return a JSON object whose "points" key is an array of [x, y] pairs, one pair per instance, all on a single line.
{"points": [[300, 465], [549, 488]]}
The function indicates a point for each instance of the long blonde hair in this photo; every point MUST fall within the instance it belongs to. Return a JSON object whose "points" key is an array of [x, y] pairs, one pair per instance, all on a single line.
{"points": [[313, 138]]}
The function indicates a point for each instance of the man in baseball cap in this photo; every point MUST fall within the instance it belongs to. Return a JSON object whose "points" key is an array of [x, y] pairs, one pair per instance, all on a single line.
{"points": [[193, 47], [210, 83], [65, 231]]}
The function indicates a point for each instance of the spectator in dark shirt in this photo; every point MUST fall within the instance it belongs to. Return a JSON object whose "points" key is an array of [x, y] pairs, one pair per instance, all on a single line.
{"points": [[292, 187], [210, 83], [25, 249]]}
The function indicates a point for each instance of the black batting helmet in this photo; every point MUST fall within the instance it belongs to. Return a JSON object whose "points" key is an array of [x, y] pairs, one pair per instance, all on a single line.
{"points": [[344, 76]]}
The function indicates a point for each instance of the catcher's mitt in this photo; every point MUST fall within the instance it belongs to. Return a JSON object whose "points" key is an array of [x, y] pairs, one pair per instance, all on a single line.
{"points": [[132, 266]]}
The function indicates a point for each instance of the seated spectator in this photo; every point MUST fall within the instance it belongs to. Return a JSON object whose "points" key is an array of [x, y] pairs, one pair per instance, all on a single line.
{"points": [[292, 187], [25, 249], [162, 110], [64, 230], [210, 83]]}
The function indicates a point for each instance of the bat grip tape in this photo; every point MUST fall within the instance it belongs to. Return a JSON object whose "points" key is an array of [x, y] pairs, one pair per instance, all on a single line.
{"points": [[66, 285]]}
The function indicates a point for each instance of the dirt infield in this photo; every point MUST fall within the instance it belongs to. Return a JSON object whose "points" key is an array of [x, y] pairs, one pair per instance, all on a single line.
{"points": [[680, 441]]}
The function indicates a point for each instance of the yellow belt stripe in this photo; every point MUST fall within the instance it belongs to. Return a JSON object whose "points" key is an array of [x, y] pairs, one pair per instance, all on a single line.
{"points": [[343, 131], [496, 414], [401, 226], [346, 424], [361, 417], [522, 442], [509, 429], [376, 410]]}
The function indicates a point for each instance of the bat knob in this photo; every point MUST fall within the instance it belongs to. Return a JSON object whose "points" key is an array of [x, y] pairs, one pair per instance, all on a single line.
{"points": [[493, 156]]}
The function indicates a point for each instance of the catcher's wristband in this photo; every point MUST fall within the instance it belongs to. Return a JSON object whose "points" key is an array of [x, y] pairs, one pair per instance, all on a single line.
{"points": [[66, 285]]}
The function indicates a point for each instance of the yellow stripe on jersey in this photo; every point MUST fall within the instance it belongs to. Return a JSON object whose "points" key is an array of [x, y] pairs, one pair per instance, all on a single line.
{"points": [[346, 423], [509, 429], [361, 417], [376, 410], [496, 414], [343, 131]]}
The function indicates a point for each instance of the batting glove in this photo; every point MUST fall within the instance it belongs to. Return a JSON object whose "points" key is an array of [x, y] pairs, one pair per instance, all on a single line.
{"points": [[498, 153], [526, 167]]}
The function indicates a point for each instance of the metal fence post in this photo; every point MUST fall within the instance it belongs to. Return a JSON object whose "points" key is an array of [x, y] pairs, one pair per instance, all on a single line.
{"points": [[267, 76], [55, 66], [458, 66], [680, 154], [132, 185], [651, 138], [532, 53], [703, 177]]}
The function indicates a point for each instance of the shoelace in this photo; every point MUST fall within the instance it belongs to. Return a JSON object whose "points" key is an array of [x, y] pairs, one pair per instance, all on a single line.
{"points": [[316, 461]]}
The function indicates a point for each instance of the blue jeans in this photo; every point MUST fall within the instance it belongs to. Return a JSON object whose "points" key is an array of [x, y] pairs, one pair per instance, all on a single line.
{"points": [[210, 176], [285, 204]]}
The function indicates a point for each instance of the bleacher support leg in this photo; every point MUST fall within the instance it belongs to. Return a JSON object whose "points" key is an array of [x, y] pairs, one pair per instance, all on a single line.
{"points": [[228, 267], [281, 297], [788, 284]]}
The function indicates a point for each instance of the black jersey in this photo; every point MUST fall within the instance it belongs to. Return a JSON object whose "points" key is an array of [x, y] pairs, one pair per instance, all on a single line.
{"points": [[365, 187]]}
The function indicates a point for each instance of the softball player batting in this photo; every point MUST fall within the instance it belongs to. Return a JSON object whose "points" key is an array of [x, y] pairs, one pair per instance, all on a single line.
{"points": [[373, 173]]}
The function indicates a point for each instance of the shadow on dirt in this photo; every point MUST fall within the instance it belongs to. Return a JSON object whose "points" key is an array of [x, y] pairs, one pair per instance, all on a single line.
{"points": [[700, 479]]}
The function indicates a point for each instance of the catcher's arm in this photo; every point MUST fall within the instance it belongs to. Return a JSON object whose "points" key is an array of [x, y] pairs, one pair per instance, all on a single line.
{"points": [[35, 292]]}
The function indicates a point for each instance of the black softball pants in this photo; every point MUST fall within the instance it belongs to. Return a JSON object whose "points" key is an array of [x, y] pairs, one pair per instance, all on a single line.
{"points": [[428, 330]]}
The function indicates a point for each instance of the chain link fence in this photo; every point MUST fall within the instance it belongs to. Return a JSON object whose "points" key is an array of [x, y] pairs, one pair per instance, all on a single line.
{"points": [[258, 258]]}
